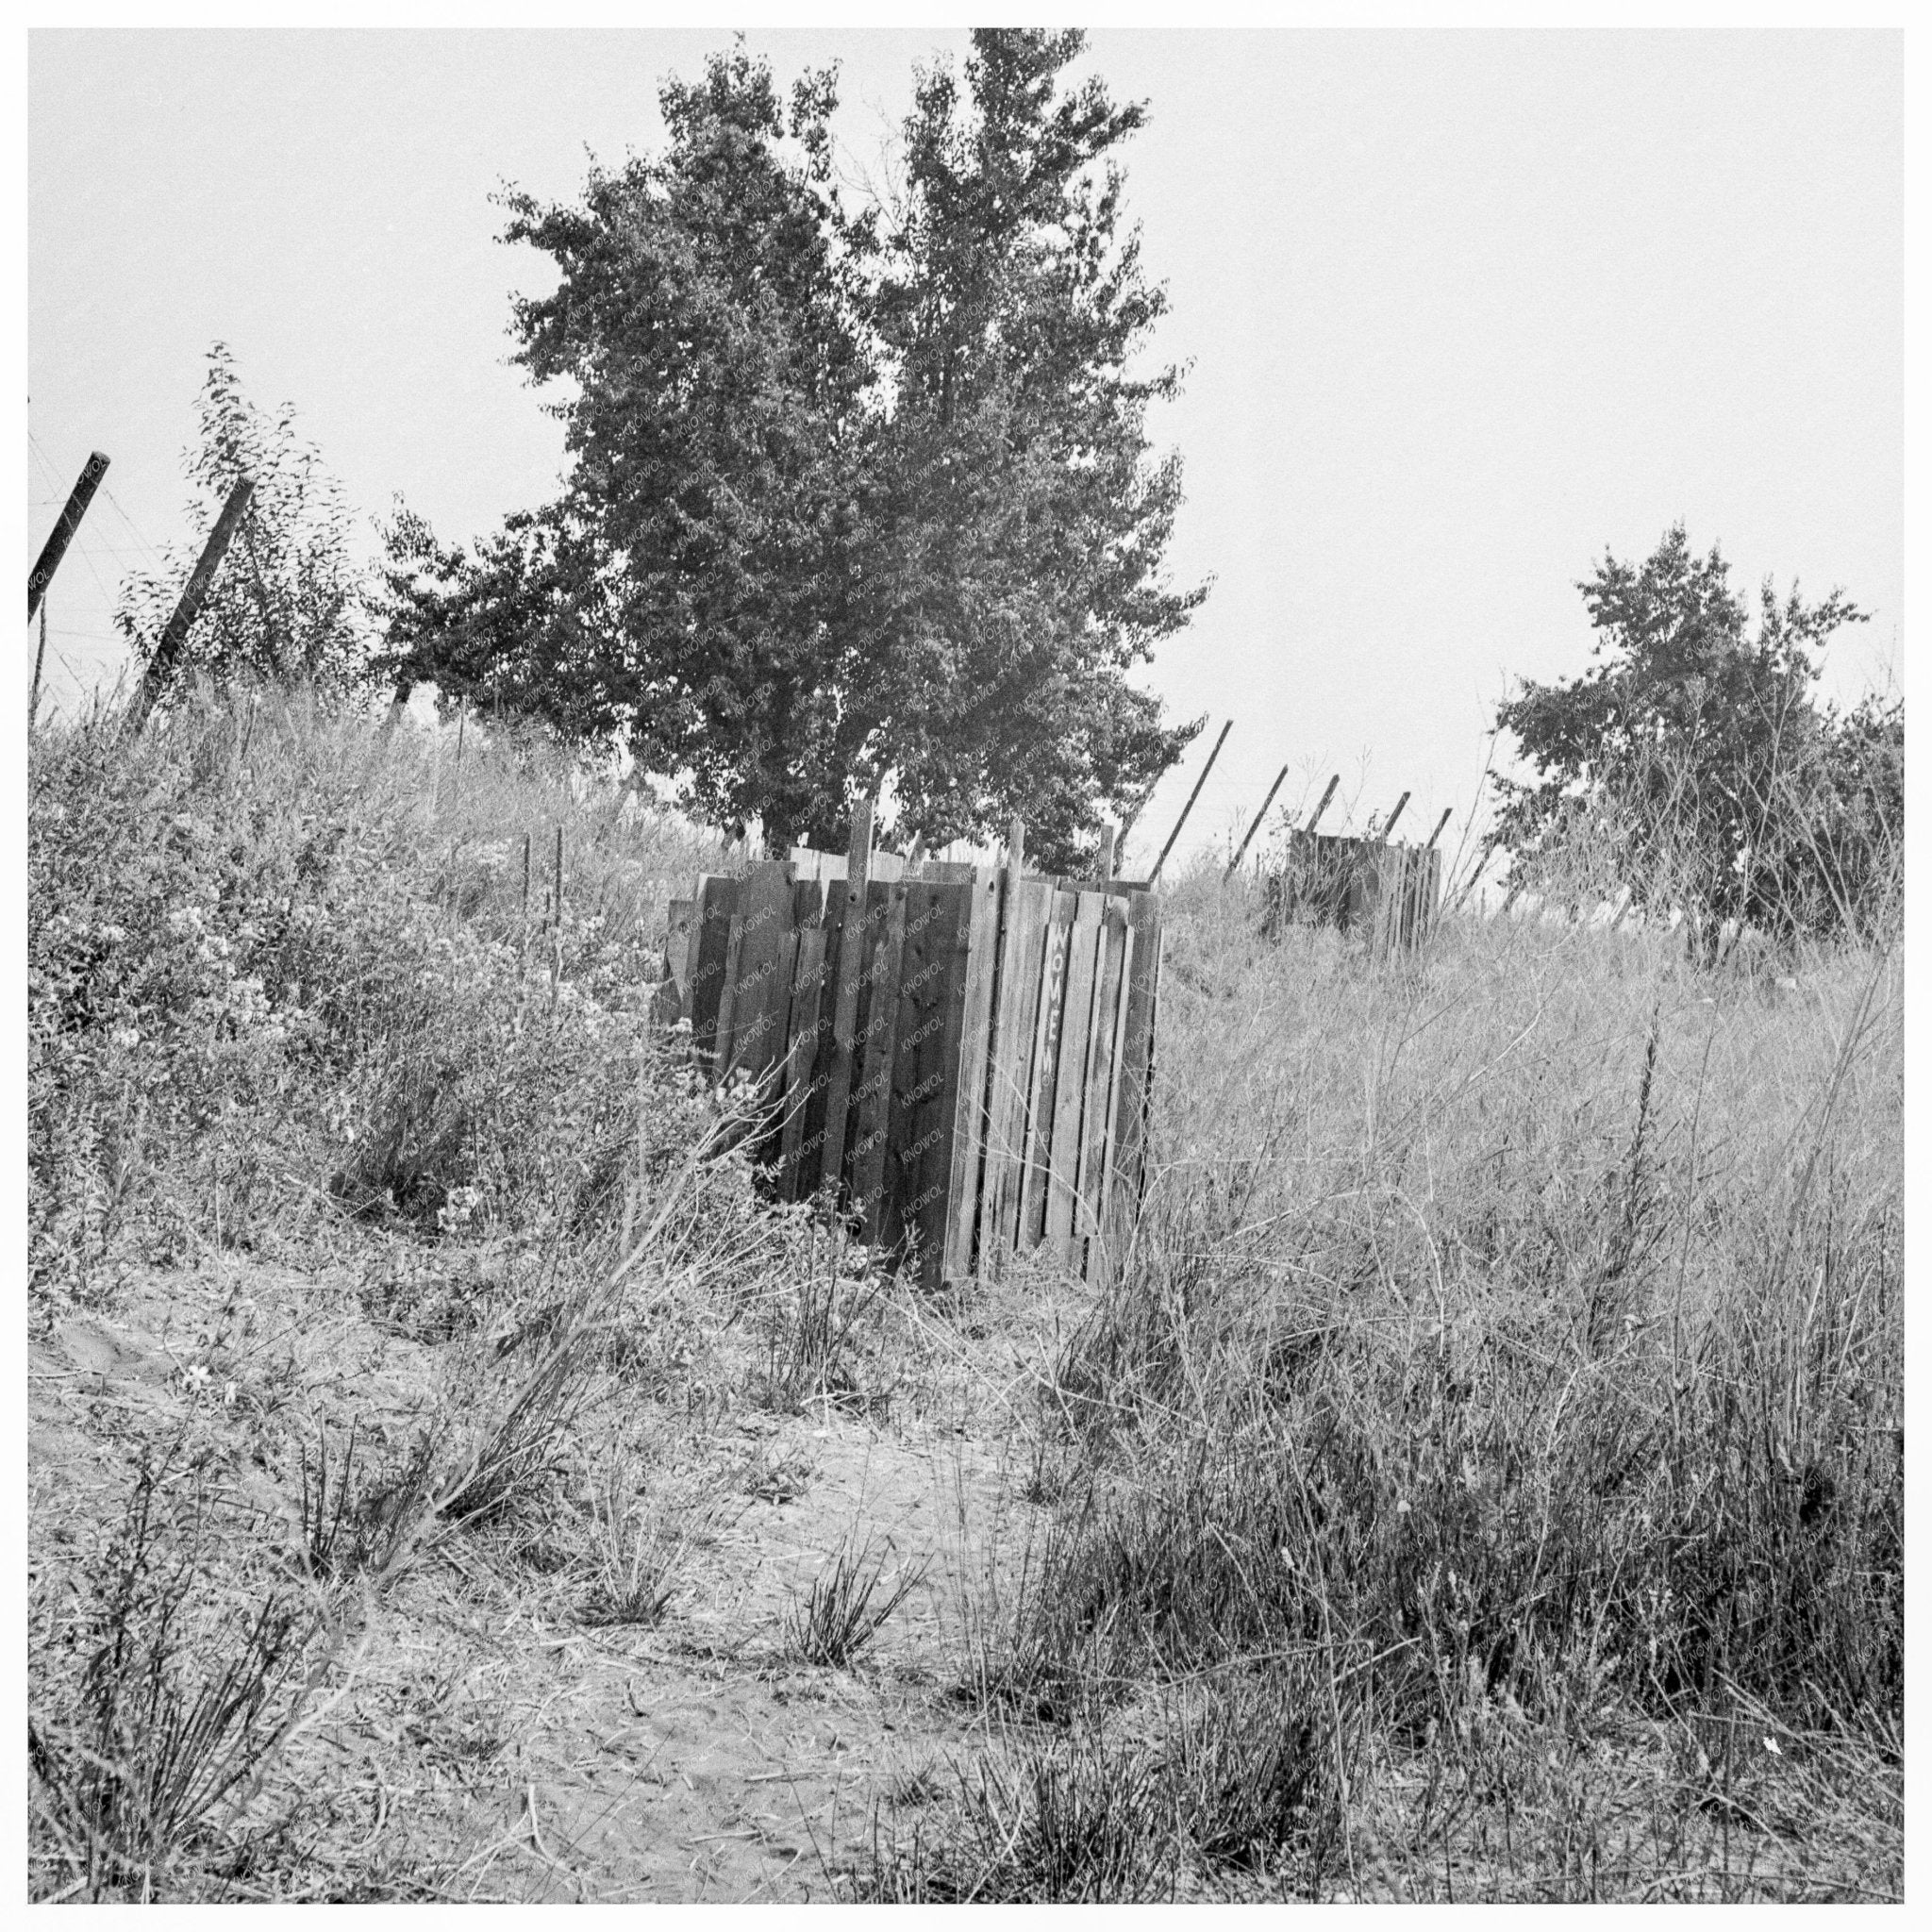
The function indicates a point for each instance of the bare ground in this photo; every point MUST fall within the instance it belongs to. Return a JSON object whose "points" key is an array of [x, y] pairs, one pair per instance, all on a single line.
{"points": [[482, 1736], [482, 1739]]}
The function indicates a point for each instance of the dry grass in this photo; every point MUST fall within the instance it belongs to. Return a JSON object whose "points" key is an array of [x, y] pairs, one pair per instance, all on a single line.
{"points": [[1507, 1369], [1483, 1479]]}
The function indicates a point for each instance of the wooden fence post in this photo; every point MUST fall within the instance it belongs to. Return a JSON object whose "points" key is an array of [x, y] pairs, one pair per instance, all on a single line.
{"points": [[1438, 832], [523, 915], [1190, 806], [1483, 857], [1393, 816], [54, 548], [33, 702], [557, 921], [1315, 816], [1241, 850], [160, 667]]}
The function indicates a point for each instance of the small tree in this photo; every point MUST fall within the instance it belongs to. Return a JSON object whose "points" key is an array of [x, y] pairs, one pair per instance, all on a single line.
{"points": [[1727, 791], [288, 601]]}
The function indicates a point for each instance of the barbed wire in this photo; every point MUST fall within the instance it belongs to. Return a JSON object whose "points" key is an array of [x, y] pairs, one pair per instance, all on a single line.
{"points": [[135, 531]]}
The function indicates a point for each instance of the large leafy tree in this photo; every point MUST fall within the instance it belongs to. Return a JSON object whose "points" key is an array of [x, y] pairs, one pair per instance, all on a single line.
{"points": [[288, 603], [1693, 757], [704, 320], [1026, 521], [855, 499]]}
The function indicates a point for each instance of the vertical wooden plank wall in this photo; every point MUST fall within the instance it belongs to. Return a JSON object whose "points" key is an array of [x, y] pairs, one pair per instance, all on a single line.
{"points": [[961, 1049], [1387, 890]]}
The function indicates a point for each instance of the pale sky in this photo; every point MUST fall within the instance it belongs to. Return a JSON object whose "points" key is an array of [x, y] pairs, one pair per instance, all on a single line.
{"points": [[1462, 309]]}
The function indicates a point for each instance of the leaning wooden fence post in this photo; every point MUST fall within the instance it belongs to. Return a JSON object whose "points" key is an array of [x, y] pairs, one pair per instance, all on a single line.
{"points": [[1241, 850], [33, 702], [54, 548], [1430, 863], [1483, 858], [1315, 816], [160, 667], [1393, 816], [1190, 806], [845, 993]]}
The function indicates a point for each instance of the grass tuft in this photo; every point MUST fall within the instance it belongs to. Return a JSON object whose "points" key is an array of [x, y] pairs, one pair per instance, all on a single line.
{"points": [[848, 1603]]}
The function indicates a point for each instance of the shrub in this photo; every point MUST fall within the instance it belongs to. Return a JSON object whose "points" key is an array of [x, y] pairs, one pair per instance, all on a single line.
{"points": [[271, 951]]}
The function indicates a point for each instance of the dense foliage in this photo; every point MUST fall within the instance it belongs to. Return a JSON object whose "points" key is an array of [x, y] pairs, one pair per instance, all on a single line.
{"points": [[273, 954], [1725, 789], [854, 499]]}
